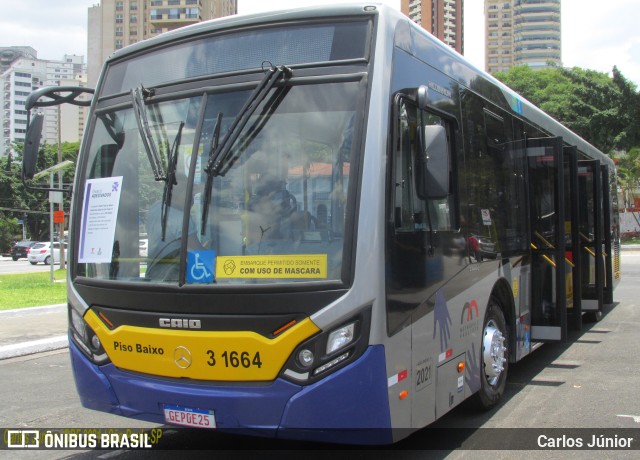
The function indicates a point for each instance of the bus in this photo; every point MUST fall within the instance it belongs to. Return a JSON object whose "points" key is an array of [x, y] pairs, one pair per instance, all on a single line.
{"points": [[348, 229]]}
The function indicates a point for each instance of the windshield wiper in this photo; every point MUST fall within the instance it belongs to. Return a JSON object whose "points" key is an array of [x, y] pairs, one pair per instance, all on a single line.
{"points": [[220, 152], [140, 111], [171, 179], [207, 191], [220, 156]]}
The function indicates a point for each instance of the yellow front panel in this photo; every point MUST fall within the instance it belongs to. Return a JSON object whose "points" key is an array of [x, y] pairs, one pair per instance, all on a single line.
{"points": [[200, 355]]}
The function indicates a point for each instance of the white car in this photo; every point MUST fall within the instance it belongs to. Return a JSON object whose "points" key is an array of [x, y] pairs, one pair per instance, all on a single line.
{"points": [[41, 252]]}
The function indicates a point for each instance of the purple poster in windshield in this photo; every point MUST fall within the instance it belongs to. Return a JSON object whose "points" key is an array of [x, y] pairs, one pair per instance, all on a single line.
{"points": [[99, 213]]}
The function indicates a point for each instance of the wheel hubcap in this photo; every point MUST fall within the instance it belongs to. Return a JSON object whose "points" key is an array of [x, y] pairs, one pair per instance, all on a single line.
{"points": [[493, 352]]}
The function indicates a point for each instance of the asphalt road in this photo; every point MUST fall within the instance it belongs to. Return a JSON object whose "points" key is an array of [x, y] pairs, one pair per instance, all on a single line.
{"points": [[8, 266], [590, 382]]}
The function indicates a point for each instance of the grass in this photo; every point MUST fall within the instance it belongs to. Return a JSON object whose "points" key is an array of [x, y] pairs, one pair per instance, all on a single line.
{"points": [[634, 240], [32, 290]]}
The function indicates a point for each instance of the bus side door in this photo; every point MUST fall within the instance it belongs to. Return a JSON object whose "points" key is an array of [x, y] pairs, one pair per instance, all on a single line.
{"points": [[591, 236], [545, 164]]}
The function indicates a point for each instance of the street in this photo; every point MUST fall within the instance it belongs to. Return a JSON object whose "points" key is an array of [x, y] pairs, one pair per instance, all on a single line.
{"points": [[9, 266], [589, 382]]}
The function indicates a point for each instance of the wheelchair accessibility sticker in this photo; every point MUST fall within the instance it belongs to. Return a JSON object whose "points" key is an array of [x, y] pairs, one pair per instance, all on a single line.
{"points": [[200, 266]]}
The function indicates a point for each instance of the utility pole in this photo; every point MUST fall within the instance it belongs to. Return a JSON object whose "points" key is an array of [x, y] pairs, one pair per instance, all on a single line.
{"points": [[54, 197]]}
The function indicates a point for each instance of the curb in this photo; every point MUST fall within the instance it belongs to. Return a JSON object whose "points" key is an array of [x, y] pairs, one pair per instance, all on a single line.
{"points": [[630, 247], [35, 346], [15, 350], [28, 311]]}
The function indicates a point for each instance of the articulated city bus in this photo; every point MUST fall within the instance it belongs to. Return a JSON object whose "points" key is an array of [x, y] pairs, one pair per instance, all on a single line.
{"points": [[321, 224]]}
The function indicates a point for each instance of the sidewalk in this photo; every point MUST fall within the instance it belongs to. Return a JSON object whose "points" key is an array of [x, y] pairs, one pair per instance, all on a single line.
{"points": [[26, 331], [630, 247]]}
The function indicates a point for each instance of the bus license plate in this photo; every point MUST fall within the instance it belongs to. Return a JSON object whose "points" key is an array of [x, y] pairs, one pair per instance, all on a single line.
{"points": [[185, 416]]}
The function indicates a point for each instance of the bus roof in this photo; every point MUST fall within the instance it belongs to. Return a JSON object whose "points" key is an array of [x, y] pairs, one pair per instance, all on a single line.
{"points": [[243, 20], [466, 73]]}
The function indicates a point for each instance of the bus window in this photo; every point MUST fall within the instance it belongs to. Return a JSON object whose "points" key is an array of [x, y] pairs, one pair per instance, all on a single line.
{"points": [[494, 173], [412, 212]]}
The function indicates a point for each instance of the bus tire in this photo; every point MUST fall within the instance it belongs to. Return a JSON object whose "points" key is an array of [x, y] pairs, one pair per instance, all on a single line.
{"points": [[494, 358]]}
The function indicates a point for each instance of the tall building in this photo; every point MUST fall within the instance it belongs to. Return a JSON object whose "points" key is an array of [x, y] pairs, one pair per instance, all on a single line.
{"points": [[113, 24], [522, 32], [10, 54], [23, 73], [443, 18]]}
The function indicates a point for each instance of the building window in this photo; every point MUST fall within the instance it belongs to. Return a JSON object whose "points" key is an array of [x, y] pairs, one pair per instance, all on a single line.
{"points": [[119, 19], [133, 19], [119, 6]]}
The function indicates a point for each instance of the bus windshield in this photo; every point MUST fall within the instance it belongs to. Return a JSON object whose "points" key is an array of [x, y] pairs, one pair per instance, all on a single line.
{"points": [[277, 209]]}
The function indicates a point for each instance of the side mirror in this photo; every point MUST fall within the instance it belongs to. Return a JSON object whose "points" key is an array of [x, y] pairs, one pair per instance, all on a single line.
{"points": [[31, 147], [433, 163], [48, 96]]}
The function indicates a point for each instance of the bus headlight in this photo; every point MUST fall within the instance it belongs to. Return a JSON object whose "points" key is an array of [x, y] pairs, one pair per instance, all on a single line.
{"points": [[340, 338], [86, 340], [78, 324], [328, 351]]}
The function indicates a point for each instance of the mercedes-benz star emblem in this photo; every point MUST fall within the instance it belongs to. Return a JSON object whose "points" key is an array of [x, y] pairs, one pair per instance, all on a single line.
{"points": [[182, 357]]}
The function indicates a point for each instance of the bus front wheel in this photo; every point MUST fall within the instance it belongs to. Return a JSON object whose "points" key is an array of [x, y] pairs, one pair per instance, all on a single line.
{"points": [[494, 356]]}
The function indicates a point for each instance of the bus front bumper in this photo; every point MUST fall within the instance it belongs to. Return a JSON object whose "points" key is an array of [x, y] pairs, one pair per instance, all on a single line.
{"points": [[350, 405]]}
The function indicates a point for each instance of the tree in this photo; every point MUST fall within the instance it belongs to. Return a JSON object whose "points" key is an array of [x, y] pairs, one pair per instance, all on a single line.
{"points": [[17, 200], [629, 176], [630, 107], [603, 110]]}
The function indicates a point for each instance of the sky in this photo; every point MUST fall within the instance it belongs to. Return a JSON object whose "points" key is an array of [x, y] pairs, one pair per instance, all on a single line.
{"points": [[593, 36]]}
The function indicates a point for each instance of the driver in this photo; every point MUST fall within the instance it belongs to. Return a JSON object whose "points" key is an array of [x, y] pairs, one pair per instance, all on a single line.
{"points": [[270, 210]]}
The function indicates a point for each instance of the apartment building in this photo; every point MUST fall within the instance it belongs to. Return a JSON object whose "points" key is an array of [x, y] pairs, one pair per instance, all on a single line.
{"points": [[443, 18], [22, 73], [522, 32], [114, 24]]}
